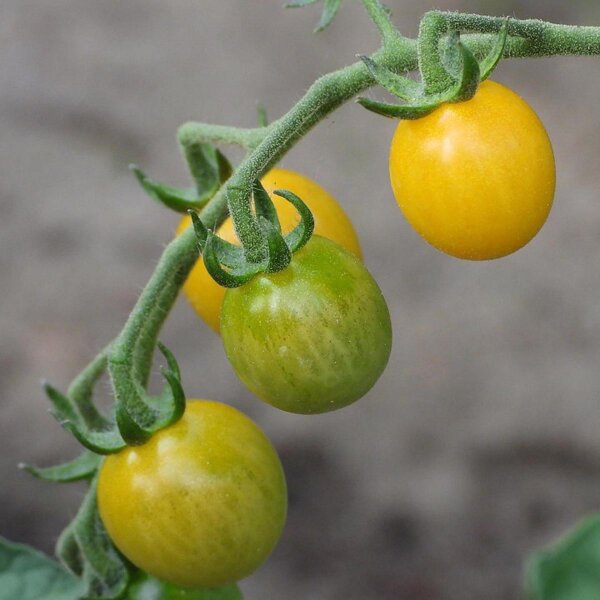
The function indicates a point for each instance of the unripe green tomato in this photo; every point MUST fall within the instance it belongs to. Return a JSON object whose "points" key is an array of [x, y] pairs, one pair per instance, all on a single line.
{"points": [[312, 338], [201, 504]]}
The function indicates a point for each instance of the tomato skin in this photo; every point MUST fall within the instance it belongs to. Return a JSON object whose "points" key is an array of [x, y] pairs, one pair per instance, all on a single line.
{"points": [[206, 296], [202, 504], [476, 179], [312, 338]]}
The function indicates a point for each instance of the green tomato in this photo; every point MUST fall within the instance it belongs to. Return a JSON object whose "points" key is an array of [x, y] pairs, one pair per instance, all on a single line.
{"points": [[312, 338], [201, 504]]}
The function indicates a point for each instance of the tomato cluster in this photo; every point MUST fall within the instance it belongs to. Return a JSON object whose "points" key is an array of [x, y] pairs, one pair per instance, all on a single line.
{"points": [[203, 503]]}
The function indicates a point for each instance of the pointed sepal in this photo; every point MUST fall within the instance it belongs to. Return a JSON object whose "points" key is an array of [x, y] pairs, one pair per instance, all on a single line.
{"points": [[138, 414], [177, 199], [235, 277], [264, 205], [300, 235], [399, 86], [82, 467], [86, 550], [490, 62], [279, 253]]}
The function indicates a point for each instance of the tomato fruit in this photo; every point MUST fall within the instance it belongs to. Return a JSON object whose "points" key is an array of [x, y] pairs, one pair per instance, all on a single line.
{"points": [[313, 337], [206, 296], [476, 179], [201, 504]]}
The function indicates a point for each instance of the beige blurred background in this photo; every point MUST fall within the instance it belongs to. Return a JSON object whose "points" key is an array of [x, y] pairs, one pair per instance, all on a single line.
{"points": [[482, 439]]}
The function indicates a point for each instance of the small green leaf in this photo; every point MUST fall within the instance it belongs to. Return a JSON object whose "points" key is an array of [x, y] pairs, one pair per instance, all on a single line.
{"points": [[399, 86], [569, 570], [26, 574], [145, 587], [490, 62], [82, 467]]}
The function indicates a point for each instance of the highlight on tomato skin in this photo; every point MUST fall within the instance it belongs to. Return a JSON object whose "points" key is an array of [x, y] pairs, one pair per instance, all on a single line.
{"points": [[206, 296], [312, 338], [476, 179], [202, 504]]}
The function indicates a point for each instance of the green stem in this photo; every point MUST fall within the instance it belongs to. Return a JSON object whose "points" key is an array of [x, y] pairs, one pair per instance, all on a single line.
{"points": [[199, 133]]}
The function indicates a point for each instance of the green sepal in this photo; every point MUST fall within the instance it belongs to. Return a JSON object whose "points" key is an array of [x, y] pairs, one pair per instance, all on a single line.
{"points": [[469, 74], [264, 205], [101, 440], [237, 276], [300, 235], [140, 415], [490, 62], [459, 59], [398, 111], [399, 86], [229, 254], [63, 407], [330, 10], [177, 199], [209, 169], [208, 166], [86, 549], [279, 253], [26, 574], [82, 467], [568, 570]]}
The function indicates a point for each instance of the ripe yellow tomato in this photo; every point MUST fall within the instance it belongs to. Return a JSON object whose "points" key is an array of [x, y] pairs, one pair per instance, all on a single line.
{"points": [[476, 179], [206, 296], [202, 504]]}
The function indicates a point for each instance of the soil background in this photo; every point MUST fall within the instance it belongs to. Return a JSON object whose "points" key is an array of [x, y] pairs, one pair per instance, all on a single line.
{"points": [[480, 443]]}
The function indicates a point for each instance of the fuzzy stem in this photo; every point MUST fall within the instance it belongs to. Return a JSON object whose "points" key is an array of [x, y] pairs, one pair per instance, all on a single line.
{"points": [[198, 133]]}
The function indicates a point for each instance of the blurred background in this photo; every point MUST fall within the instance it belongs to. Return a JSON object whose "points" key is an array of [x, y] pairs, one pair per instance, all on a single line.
{"points": [[480, 442]]}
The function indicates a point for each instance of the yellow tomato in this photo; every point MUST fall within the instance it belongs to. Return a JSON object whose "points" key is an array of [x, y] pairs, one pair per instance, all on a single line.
{"points": [[476, 179], [206, 296], [202, 504]]}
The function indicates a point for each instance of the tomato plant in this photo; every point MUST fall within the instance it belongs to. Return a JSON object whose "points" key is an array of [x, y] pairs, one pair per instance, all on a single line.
{"points": [[193, 494], [206, 296], [313, 337], [476, 179], [203, 503]]}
